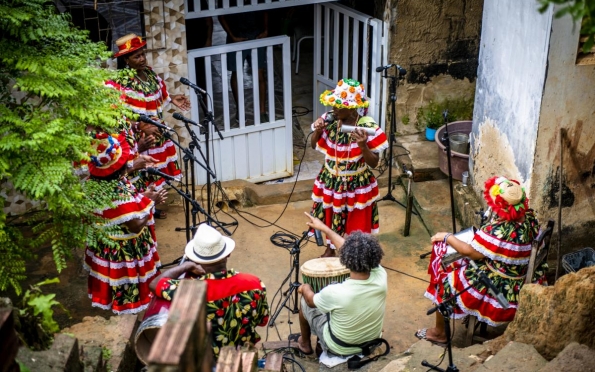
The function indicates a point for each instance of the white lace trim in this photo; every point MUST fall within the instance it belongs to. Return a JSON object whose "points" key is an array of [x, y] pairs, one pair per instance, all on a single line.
{"points": [[129, 217], [500, 243], [125, 280], [118, 265], [136, 198], [156, 150], [496, 257], [127, 311]]}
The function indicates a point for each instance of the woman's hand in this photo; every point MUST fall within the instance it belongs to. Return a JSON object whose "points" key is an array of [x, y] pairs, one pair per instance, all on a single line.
{"points": [[319, 125], [145, 142], [361, 137], [181, 101], [157, 196], [315, 223], [149, 130], [143, 162], [439, 237]]}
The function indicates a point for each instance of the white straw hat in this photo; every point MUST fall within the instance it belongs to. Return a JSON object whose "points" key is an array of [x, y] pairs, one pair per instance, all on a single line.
{"points": [[208, 246]]}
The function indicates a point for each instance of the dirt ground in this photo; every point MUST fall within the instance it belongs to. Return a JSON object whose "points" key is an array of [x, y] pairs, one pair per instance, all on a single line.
{"points": [[254, 253]]}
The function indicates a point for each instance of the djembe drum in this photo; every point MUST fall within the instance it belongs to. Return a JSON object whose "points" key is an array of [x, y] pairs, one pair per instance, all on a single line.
{"points": [[321, 272]]}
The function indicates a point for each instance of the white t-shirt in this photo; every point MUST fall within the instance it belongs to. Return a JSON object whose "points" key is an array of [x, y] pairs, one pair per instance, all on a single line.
{"points": [[357, 310]]}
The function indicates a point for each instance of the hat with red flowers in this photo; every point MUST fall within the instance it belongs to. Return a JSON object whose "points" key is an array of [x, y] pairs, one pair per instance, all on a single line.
{"points": [[112, 153], [348, 93], [129, 43], [506, 198]]}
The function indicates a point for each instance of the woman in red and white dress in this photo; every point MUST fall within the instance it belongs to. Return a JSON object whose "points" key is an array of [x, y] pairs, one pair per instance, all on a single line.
{"points": [[123, 262], [345, 190], [144, 92]]}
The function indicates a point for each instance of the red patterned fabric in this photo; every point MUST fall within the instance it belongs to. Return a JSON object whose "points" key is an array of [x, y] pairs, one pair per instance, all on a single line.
{"points": [[120, 273]]}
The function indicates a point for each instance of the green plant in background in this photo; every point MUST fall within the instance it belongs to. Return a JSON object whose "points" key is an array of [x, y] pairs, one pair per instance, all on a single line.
{"points": [[430, 115], [405, 119], [36, 325], [51, 89], [582, 11]]}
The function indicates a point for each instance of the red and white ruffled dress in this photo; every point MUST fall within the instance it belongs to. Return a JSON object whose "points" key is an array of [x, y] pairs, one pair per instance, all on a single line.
{"points": [[345, 190], [506, 246], [149, 98], [119, 274]]}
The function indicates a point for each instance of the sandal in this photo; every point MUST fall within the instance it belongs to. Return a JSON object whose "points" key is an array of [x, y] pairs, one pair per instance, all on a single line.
{"points": [[294, 337], [160, 214], [422, 335]]}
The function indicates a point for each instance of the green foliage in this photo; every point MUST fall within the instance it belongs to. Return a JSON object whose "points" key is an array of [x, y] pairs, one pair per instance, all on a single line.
{"points": [[582, 11], [405, 119], [431, 115], [36, 324], [51, 89]]}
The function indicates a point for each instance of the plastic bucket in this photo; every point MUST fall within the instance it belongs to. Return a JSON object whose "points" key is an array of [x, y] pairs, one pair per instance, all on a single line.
{"points": [[459, 142], [430, 134]]}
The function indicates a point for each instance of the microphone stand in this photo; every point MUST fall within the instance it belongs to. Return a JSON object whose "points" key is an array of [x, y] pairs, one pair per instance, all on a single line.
{"points": [[295, 269], [392, 136], [446, 310], [197, 208], [205, 130], [446, 142]]}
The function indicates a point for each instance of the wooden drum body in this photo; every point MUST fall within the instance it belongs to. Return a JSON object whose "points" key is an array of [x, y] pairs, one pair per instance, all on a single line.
{"points": [[323, 271]]}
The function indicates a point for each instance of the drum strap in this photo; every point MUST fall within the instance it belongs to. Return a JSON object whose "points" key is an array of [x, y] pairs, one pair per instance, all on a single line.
{"points": [[355, 362]]}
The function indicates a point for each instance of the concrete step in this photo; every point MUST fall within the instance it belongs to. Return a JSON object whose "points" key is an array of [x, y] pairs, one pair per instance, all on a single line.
{"points": [[422, 157], [514, 357]]}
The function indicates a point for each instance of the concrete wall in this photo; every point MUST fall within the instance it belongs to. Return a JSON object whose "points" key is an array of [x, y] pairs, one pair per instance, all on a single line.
{"points": [[512, 67], [567, 103], [437, 41]]}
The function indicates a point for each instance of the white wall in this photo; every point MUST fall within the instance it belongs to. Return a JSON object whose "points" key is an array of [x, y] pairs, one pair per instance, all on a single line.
{"points": [[511, 75]]}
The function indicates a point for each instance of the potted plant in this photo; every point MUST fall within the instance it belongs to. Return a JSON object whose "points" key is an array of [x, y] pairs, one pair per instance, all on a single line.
{"points": [[430, 116]]}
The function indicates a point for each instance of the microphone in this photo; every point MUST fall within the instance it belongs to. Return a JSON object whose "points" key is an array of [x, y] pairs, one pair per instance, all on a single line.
{"points": [[329, 118], [179, 116], [401, 70], [318, 236], [351, 128], [488, 283], [155, 172], [146, 119], [185, 81]]}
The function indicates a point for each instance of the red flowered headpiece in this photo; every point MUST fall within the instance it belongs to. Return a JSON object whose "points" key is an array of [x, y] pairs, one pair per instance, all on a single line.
{"points": [[112, 152], [129, 43], [506, 198]]}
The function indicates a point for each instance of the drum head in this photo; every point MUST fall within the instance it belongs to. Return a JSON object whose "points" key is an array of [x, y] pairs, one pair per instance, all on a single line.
{"points": [[324, 267]]}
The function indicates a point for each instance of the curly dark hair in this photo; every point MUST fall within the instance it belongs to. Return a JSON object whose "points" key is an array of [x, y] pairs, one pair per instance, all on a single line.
{"points": [[361, 252]]}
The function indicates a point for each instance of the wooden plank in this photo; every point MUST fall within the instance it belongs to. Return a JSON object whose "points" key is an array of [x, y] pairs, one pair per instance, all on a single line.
{"points": [[230, 360], [274, 362], [182, 341], [254, 155], [272, 345], [249, 361]]}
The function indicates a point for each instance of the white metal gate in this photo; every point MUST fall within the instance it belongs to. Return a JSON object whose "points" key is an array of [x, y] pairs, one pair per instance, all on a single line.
{"points": [[252, 149], [349, 44]]}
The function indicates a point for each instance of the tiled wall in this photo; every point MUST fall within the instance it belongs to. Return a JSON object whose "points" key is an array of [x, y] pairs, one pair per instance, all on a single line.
{"points": [[166, 47]]}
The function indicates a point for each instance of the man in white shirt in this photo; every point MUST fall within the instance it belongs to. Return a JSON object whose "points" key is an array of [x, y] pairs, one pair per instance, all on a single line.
{"points": [[349, 313]]}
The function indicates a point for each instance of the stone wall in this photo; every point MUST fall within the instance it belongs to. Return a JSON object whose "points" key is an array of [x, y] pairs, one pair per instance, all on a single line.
{"points": [[568, 105], [550, 318], [438, 43]]}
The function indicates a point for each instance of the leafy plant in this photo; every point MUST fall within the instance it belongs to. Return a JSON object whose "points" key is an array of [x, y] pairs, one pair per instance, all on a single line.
{"points": [[581, 11], [51, 89], [430, 116], [36, 325]]}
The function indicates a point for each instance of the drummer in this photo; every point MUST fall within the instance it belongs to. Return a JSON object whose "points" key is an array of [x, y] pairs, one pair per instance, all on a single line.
{"points": [[228, 292], [355, 307]]}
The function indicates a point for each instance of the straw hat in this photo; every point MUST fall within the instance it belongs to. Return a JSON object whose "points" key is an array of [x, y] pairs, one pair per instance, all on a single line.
{"points": [[506, 197], [208, 246], [348, 93], [129, 43], [112, 152]]}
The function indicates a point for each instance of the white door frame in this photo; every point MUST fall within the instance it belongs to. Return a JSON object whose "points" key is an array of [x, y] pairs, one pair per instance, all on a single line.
{"points": [[257, 152], [214, 9], [333, 19]]}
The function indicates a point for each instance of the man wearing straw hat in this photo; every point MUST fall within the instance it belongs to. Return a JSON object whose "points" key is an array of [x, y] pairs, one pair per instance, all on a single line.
{"points": [[236, 301]]}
